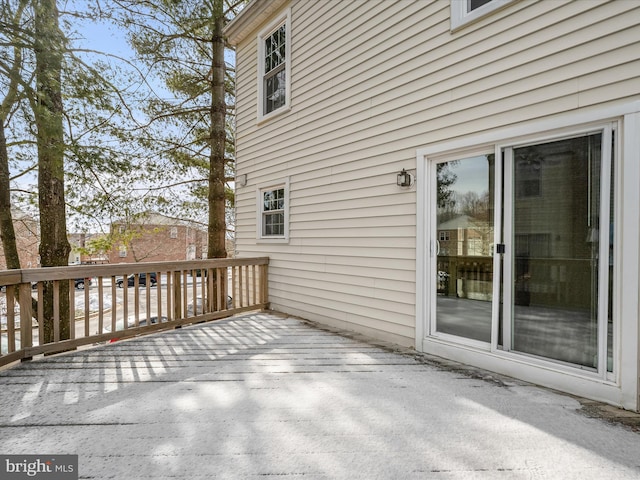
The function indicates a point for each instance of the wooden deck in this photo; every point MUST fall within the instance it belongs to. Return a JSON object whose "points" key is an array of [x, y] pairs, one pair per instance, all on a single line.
{"points": [[263, 395]]}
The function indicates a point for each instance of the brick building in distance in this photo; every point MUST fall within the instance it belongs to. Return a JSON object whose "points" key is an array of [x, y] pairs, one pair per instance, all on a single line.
{"points": [[153, 237], [27, 240]]}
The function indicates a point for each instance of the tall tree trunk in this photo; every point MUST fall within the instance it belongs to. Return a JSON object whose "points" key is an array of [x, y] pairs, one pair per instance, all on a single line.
{"points": [[54, 245], [7, 229], [7, 232], [217, 221]]}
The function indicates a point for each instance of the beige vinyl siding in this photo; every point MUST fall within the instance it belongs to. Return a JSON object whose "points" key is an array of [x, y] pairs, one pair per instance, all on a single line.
{"points": [[374, 80]]}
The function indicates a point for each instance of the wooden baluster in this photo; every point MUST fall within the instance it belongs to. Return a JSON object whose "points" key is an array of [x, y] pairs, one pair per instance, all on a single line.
{"points": [[147, 302], [87, 310], [26, 312], [56, 311], [72, 309], [177, 296], [222, 304], [114, 301], [101, 306], [159, 294], [11, 318], [265, 284], [253, 285], [41, 312]]}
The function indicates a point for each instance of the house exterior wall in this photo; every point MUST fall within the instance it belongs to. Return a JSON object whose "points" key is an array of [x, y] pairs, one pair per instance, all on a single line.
{"points": [[373, 83]]}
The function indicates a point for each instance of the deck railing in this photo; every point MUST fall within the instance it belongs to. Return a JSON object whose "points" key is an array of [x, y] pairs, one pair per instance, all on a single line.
{"points": [[109, 302]]}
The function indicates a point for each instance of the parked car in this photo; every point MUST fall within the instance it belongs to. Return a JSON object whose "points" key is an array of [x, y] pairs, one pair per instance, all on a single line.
{"points": [[82, 283], [79, 283], [142, 280]]}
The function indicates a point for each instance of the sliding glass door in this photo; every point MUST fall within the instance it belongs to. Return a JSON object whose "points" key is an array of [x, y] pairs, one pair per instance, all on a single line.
{"points": [[560, 230], [551, 243]]}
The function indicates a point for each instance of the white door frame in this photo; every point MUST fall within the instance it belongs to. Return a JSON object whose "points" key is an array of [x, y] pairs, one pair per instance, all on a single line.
{"points": [[621, 389]]}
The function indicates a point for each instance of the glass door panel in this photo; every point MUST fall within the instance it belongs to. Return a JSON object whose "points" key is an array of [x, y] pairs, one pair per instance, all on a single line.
{"points": [[464, 247], [555, 249]]}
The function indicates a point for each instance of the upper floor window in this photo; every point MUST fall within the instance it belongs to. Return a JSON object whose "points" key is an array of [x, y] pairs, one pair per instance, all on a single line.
{"points": [[467, 11], [528, 183], [274, 50], [275, 77], [473, 4], [173, 232]]}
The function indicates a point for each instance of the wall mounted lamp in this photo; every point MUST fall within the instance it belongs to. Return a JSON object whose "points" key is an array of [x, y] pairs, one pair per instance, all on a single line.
{"points": [[241, 180], [404, 179]]}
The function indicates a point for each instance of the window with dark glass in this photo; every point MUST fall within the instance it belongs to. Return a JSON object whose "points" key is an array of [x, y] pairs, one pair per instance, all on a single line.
{"points": [[557, 261], [273, 203], [464, 12], [473, 4], [275, 60]]}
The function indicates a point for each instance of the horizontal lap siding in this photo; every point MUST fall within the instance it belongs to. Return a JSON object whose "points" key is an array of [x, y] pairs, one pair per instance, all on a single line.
{"points": [[372, 81]]}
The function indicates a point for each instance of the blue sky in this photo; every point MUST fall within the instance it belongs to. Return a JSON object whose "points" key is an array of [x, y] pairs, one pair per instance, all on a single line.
{"points": [[108, 38], [473, 175], [101, 36]]}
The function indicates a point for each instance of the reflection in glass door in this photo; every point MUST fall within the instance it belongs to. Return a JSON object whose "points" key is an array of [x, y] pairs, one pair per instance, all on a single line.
{"points": [[559, 284], [464, 247]]}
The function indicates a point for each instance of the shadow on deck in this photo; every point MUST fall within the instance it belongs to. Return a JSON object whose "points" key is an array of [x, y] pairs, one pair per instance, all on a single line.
{"points": [[265, 395]]}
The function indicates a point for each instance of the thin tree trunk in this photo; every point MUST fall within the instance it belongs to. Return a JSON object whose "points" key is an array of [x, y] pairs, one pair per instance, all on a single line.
{"points": [[7, 231], [54, 245], [217, 220]]}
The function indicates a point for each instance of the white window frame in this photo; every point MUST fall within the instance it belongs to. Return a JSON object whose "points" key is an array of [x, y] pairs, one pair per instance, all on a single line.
{"points": [[284, 19], [461, 15], [260, 236], [173, 232]]}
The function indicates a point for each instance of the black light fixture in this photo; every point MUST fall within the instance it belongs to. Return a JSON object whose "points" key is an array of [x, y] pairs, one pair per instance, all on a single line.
{"points": [[404, 179]]}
